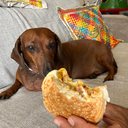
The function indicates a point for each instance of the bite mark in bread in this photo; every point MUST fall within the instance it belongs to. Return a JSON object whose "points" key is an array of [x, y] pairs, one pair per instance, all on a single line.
{"points": [[65, 97]]}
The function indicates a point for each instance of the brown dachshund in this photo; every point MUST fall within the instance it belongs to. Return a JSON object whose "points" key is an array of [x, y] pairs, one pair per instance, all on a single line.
{"points": [[39, 50]]}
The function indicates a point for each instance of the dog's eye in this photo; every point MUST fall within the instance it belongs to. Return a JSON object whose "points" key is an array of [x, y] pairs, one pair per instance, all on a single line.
{"points": [[51, 45], [31, 48]]}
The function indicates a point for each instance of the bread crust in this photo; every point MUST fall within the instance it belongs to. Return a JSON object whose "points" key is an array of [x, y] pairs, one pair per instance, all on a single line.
{"points": [[57, 102]]}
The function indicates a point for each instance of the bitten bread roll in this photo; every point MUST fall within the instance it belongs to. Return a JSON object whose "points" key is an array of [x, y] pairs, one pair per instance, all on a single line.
{"points": [[62, 96]]}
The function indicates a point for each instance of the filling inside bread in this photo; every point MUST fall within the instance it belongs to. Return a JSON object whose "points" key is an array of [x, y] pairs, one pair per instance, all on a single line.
{"points": [[77, 88]]}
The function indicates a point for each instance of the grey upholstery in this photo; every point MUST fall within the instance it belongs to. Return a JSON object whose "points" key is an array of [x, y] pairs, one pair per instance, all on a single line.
{"points": [[25, 109]]}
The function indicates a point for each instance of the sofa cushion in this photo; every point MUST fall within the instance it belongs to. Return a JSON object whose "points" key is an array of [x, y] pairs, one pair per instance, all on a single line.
{"points": [[26, 110], [118, 25], [13, 21]]}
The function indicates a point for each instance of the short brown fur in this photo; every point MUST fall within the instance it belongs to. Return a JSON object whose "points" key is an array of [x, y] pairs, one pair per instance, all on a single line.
{"points": [[40, 50]]}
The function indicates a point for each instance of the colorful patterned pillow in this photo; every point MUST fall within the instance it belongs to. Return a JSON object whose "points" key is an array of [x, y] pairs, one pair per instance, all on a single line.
{"points": [[24, 3], [87, 22]]}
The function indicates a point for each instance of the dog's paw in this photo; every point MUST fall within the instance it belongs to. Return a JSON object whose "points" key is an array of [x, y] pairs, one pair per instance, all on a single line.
{"points": [[93, 76], [108, 78], [4, 95]]}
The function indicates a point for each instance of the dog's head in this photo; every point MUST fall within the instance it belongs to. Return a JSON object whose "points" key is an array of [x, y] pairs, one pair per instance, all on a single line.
{"points": [[38, 49]]}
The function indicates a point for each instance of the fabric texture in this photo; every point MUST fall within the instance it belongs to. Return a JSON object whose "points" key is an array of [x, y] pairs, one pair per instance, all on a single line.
{"points": [[87, 22], [13, 21], [24, 3], [26, 110]]}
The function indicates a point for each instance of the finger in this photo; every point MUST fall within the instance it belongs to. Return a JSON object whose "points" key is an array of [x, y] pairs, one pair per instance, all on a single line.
{"points": [[111, 123], [108, 121], [77, 122], [61, 122], [115, 126], [112, 108]]}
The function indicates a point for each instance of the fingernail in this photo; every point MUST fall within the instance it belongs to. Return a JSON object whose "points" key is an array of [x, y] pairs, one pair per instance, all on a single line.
{"points": [[57, 122], [70, 120]]}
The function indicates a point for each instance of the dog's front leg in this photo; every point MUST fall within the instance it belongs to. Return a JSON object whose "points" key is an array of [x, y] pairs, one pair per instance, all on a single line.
{"points": [[10, 91]]}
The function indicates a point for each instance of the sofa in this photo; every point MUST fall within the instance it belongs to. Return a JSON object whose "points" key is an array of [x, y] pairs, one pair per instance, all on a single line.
{"points": [[25, 109]]}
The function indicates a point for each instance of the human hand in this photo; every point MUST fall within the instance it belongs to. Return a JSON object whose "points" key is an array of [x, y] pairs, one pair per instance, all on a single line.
{"points": [[116, 116], [72, 122]]}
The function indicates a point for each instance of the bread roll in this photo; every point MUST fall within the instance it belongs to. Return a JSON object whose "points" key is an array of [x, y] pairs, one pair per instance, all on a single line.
{"points": [[65, 97]]}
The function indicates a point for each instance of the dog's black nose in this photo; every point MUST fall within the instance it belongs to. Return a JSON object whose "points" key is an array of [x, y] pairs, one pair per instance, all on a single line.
{"points": [[47, 70]]}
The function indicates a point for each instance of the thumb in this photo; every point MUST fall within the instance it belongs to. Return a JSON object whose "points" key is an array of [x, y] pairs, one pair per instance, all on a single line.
{"points": [[62, 122], [77, 122]]}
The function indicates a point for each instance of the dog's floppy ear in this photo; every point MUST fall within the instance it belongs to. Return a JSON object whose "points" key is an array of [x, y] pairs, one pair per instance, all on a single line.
{"points": [[58, 45], [17, 53]]}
